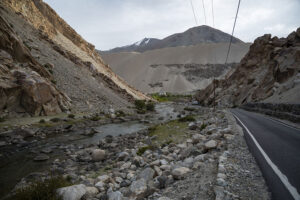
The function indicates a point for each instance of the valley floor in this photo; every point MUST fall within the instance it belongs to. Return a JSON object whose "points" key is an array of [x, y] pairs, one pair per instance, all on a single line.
{"points": [[179, 151]]}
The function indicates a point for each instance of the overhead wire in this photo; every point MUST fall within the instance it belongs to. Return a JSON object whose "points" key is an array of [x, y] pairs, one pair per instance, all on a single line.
{"points": [[236, 15], [191, 1], [204, 11], [212, 11]]}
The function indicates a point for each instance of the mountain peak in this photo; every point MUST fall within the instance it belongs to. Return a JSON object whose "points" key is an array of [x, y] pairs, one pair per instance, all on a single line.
{"points": [[192, 36]]}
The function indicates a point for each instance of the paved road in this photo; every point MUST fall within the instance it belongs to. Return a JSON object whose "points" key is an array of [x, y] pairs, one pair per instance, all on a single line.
{"points": [[276, 147]]}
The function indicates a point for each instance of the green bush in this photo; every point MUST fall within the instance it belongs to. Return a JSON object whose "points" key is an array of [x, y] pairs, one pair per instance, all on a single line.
{"points": [[42, 121], [120, 113], [41, 190], [55, 119], [187, 118], [150, 106], [72, 116], [140, 104], [141, 111]]}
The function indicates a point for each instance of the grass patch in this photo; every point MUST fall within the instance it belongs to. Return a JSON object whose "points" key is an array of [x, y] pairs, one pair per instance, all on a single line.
{"points": [[2, 119], [170, 97], [188, 118], [120, 113], [55, 119], [95, 118], [41, 190], [72, 116], [142, 150], [171, 132], [203, 126]]}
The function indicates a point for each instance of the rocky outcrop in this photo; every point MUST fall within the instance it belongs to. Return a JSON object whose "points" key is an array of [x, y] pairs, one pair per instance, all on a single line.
{"points": [[65, 39], [268, 72], [25, 85]]}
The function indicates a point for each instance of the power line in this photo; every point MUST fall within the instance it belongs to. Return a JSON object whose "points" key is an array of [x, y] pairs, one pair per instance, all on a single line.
{"points": [[237, 11], [194, 12], [204, 11], [212, 11]]}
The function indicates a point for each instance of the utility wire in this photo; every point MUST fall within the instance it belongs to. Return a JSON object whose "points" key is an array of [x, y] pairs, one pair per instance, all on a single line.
{"points": [[191, 1], [204, 11], [237, 11], [212, 11]]}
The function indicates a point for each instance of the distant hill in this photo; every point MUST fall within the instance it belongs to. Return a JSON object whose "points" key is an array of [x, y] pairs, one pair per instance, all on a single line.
{"points": [[193, 36]]}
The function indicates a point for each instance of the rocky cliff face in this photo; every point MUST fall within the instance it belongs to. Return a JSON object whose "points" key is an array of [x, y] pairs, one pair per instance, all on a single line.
{"points": [[45, 65], [269, 72]]}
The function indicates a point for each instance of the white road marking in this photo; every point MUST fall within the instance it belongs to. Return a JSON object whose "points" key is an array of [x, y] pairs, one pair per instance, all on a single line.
{"points": [[284, 124], [293, 191]]}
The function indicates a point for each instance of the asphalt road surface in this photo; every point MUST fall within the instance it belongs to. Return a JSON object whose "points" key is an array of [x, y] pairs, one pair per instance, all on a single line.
{"points": [[276, 148]]}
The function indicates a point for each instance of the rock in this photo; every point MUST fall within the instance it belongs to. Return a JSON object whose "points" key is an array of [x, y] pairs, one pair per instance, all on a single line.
{"points": [[74, 192], [221, 182], [139, 188], [91, 191], [123, 155], [104, 178], [47, 150], [115, 195], [147, 174], [210, 144], [41, 157], [188, 152], [192, 126], [165, 167], [197, 138], [180, 172], [100, 186], [125, 183], [158, 170], [162, 181], [188, 162], [2, 143], [163, 198], [98, 155], [126, 165], [200, 157]]}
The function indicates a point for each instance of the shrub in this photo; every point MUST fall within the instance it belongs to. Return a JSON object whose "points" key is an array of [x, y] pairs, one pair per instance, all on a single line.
{"points": [[187, 118], [41, 190], [72, 116], [203, 126], [142, 150], [95, 118], [55, 119], [140, 104], [120, 113], [141, 111], [2, 119], [150, 106], [42, 121]]}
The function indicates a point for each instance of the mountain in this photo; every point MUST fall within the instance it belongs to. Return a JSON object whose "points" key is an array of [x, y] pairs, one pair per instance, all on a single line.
{"points": [[47, 68], [193, 36], [179, 69], [268, 73]]}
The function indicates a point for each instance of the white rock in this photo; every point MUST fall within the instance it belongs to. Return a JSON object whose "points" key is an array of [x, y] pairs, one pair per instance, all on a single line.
{"points": [[104, 178], [114, 195], [210, 144], [126, 165], [164, 198], [91, 191], [165, 167], [74, 192], [118, 179], [98, 155], [221, 182], [163, 162], [180, 172]]}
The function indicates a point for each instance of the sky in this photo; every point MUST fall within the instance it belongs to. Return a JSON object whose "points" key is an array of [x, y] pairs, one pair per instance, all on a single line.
{"points": [[112, 23]]}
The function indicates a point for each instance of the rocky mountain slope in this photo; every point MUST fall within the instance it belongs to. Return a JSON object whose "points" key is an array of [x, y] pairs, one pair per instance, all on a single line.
{"points": [[270, 72], [193, 36], [179, 69], [46, 67]]}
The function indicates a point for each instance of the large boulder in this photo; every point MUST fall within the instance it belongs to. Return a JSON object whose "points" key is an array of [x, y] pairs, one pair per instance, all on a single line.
{"points": [[74, 192], [138, 189], [147, 174]]}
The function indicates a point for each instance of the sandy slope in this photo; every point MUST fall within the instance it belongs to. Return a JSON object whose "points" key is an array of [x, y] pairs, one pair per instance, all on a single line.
{"points": [[155, 67]]}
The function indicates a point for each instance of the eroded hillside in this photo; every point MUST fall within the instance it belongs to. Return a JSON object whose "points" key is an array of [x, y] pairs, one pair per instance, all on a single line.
{"points": [[269, 72], [50, 54]]}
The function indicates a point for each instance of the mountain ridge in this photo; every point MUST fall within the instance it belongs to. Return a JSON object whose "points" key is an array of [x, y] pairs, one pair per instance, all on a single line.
{"points": [[192, 36]]}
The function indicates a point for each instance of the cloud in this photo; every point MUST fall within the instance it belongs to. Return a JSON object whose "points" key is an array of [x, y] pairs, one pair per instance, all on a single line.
{"points": [[112, 23]]}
